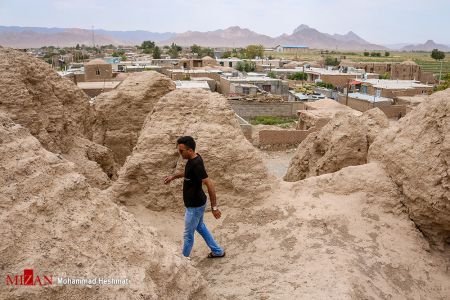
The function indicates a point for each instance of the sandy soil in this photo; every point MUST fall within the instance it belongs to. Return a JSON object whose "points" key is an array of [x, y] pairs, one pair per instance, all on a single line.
{"points": [[349, 242], [277, 162]]}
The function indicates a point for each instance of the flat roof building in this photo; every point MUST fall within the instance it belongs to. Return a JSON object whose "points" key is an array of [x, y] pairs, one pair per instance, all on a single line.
{"points": [[393, 88], [97, 70], [195, 84], [267, 84]]}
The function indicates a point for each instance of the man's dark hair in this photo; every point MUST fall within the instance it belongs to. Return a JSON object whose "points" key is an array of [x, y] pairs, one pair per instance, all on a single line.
{"points": [[188, 141]]}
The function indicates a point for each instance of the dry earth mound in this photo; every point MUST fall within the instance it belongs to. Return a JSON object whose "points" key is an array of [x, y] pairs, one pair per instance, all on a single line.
{"points": [[343, 142], [55, 111], [35, 96], [416, 155], [53, 222], [343, 235], [120, 113], [231, 161]]}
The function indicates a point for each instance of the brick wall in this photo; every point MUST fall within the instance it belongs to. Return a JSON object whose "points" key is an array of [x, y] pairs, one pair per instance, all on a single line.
{"points": [[394, 111], [283, 137], [253, 109], [359, 104], [337, 80], [90, 72]]}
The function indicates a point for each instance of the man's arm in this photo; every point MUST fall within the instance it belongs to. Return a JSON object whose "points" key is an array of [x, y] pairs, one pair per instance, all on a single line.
{"points": [[212, 197], [170, 178]]}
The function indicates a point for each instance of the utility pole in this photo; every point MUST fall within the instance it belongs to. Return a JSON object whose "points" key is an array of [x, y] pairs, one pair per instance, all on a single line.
{"points": [[348, 87], [93, 40]]}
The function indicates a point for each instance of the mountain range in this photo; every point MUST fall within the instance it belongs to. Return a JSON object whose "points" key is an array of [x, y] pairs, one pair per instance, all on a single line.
{"points": [[235, 36], [303, 35], [427, 46], [35, 37]]}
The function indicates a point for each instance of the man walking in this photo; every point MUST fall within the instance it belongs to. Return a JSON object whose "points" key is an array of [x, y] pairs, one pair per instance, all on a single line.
{"points": [[195, 199]]}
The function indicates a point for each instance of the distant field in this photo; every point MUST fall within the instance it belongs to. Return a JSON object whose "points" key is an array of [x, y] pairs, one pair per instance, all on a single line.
{"points": [[423, 59], [433, 66]]}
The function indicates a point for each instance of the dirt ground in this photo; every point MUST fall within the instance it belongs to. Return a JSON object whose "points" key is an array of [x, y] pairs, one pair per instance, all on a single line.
{"points": [[277, 162], [341, 245]]}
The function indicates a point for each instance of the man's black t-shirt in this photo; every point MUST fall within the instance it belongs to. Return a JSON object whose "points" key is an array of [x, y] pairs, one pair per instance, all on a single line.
{"points": [[194, 172]]}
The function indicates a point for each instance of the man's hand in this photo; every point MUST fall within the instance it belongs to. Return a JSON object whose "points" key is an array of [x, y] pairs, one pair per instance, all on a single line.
{"points": [[168, 179], [216, 213]]}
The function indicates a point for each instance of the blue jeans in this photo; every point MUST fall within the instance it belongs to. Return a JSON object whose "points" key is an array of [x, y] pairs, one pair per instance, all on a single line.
{"points": [[193, 220]]}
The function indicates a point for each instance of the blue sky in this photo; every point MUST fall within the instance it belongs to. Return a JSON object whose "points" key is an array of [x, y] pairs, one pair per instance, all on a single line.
{"points": [[380, 21]]}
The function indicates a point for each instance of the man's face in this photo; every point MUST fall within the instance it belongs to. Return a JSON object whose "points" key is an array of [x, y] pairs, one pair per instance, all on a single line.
{"points": [[184, 151]]}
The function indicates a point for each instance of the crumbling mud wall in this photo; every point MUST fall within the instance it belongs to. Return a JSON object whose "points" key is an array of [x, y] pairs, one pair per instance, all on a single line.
{"points": [[416, 154], [343, 142], [119, 114], [55, 111], [53, 222], [231, 161]]}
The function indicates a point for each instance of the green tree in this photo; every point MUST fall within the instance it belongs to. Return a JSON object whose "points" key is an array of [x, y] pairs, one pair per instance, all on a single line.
{"points": [[366, 53], [445, 84], [240, 66], [331, 61], [272, 74], [208, 52], [385, 75], [325, 85], [196, 49], [147, 47], [226, 54], [438, 55], [253, 51], [118, 53], [175, 46], [174, 50], [298, 76], [386, 53], [246, 66], [156, 53], [249, 66]]}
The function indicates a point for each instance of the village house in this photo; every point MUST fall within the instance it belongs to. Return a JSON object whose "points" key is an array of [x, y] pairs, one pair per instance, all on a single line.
{"points": [[392, 88], [274, 86], [339, 78], [383, 93], [407, 70], [189, 63], [184, 74], [291, 49], [194, 84], [363, 102], [229, 62], [97, 70]]}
